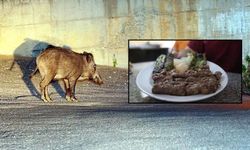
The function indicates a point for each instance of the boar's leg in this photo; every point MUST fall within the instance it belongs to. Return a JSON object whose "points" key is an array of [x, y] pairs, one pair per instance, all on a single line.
{"points": [[72, 84], [47, 93], [44, 89], [67, 89]]}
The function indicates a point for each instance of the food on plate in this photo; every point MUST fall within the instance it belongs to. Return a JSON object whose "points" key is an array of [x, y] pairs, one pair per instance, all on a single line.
{"points": [[159, 64], [181, 65], [188, 75], [169, 62]]}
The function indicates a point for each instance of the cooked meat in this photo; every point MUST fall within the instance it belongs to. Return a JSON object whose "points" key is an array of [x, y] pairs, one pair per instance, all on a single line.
{"points": [[192, 89], [218, 75], [168, 88], [191, 82]]}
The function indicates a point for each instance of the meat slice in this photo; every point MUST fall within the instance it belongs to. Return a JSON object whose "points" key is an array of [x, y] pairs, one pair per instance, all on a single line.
{"points": [[192, 89], [171, 89], [191, 82]]}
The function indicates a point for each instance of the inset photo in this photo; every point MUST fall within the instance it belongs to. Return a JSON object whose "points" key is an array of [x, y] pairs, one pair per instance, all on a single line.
{"points": [[185, 71]]}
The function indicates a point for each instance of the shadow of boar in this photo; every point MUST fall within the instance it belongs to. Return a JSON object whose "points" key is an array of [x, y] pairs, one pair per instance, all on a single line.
{"points": [[56, 63]]}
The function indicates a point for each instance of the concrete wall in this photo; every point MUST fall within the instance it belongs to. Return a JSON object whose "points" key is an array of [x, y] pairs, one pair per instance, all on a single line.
{"points": [[104, 26]]}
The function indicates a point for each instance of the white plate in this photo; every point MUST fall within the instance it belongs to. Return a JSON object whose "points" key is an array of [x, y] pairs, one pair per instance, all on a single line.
{"points": [[145, 84]]}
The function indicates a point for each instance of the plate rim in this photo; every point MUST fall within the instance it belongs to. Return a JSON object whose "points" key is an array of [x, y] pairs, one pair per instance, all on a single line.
{"points": [[184, 98]]}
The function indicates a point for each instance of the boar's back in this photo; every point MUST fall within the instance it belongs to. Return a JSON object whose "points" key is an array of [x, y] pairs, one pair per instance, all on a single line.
{"points": [[61, 62]]}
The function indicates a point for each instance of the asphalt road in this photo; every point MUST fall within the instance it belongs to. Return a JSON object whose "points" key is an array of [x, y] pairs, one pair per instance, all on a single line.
{"points": [[125, 126], [102, 119]]}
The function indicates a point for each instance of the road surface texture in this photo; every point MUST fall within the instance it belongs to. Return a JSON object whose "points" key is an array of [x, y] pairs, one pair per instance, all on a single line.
{"points": [[102, 119]]}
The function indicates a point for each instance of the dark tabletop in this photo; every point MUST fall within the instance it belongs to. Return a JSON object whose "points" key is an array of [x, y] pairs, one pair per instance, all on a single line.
{"points": [[231, 94]]}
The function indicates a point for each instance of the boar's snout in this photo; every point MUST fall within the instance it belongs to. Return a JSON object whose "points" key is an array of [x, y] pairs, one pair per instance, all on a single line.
{"points": [[97, 78]]}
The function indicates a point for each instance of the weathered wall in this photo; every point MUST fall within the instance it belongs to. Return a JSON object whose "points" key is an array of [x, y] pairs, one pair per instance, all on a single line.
{"points": [[103, 26]]}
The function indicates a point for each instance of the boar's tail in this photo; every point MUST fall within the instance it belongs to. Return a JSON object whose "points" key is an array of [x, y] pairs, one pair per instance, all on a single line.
{"points": [[33, 73]]}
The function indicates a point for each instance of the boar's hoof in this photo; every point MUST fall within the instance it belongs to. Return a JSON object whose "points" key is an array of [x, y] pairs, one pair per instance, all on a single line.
{"points": [[71, 99], [46, 100], [74, 99], [68, 99]]}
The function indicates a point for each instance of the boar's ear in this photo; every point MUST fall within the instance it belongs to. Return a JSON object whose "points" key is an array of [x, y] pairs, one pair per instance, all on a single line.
{"points": [[89, 56]]}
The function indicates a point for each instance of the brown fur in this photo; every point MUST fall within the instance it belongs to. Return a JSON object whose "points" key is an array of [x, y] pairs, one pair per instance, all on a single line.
{"points": [[57, 63]]}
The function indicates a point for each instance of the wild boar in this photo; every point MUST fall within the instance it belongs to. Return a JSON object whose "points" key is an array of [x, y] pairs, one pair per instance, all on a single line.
{"points": [[56, 63]]}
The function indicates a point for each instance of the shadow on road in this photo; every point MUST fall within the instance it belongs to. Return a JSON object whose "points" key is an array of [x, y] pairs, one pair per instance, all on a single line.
{"points": [[151, 110], [31, 49]]}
